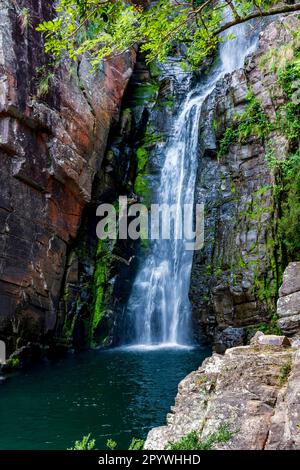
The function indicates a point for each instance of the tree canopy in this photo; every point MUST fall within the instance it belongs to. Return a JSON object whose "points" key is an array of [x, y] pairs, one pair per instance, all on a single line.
{"points": [[109, 27]]}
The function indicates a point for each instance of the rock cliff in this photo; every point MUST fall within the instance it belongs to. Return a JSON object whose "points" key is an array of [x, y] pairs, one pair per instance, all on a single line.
{"points": [[236, 277], [54, 125], [252, 390], [288, 306]]}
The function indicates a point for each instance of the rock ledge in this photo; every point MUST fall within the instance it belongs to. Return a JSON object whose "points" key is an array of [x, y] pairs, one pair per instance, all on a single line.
{"points": [[254, 389]]}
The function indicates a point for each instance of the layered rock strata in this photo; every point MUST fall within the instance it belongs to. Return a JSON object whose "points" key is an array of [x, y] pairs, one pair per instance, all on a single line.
{"points": [[252, 390]]}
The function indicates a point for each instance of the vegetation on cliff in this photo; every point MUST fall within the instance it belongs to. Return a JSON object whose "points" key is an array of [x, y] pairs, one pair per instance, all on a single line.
{"points": [[283, 243], [105, 28], [192, 440], [88, 443]]}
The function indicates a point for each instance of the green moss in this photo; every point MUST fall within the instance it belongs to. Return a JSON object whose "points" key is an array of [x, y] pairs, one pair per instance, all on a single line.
{"points": [[282, 239], [145, 92], [165, 102], [142, 159], [265, 285], [141, 186], [289, 76], [218, 272], [287, 171], [66, 294], [69, 325], [215, 124], [168, 101], [103, 260], [151, 137]]}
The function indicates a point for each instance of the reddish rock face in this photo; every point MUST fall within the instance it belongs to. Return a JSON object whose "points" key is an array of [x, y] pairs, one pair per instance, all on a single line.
{"points": [[50, 150]]}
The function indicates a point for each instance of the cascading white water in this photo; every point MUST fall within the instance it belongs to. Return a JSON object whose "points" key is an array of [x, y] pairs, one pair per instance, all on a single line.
{"points": [[158, 309]]}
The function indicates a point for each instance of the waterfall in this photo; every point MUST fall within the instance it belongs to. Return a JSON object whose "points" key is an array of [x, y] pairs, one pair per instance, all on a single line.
{"points": [[158, 312]]}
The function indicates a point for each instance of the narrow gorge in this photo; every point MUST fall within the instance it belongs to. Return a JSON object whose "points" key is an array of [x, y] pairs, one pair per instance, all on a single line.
{"points": [[99, 332]]}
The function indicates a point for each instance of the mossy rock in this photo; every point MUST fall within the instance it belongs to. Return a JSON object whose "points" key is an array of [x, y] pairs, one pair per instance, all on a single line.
{"points": [[145, 93]]}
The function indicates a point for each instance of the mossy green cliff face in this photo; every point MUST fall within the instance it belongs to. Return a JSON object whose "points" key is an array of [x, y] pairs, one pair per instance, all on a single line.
{"points": [[247, 178]]}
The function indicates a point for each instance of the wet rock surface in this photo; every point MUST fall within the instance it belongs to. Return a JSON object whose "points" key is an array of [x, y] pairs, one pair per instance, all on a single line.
{"points": [[254, 390], [54, 126]]}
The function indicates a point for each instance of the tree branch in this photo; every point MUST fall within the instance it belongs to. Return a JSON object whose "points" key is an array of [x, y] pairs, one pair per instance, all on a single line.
{"points": [[257, 14]]}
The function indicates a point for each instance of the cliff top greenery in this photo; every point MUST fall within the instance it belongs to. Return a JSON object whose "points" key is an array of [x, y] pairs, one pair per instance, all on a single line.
{"points": [[105, 28]]}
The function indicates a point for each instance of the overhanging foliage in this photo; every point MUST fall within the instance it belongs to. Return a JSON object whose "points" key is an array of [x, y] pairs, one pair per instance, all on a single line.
{"points": [[109, 27]]}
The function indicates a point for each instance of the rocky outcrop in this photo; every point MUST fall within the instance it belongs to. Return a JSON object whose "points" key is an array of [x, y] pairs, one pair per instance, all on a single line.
{"points": [[54, 125], [236, 277], [254, 390], [288, 306]]}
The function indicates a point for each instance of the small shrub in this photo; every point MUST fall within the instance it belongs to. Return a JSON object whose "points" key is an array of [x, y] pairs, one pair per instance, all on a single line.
{"points": [[285, 372], [270, 328], [44, 85], [86, 443], [229, 138], [136, 444], [111, 444], [188, 442], [253, 121], [289, 224], [192, 441], [13, 362], [289, 76], [25, 19]]}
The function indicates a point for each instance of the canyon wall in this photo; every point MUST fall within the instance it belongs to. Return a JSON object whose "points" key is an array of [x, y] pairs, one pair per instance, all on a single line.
{"points": [[54, 125], [236, 277], [70, 139]]}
